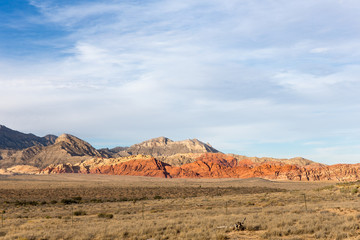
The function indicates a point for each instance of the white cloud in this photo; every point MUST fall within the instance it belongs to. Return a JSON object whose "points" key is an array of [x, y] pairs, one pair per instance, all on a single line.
{"points": [[319, 50], [324, 86], [337, 154]]}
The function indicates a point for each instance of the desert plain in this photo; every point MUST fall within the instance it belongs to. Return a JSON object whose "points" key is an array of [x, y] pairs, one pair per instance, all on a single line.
{"points": [[78, 206]]}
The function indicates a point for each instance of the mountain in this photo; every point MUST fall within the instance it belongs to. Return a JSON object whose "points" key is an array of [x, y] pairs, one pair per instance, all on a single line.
{"points": [[66, 149], [14, 140], [158, 157], [28, 149], [163, 146]]}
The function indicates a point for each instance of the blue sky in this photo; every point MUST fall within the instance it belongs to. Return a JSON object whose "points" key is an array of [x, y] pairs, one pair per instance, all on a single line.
{"points": [[258, 78]]}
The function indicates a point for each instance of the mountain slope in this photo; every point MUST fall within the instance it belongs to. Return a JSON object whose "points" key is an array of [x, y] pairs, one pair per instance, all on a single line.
{"points": [[11, 139], [66, 149]]}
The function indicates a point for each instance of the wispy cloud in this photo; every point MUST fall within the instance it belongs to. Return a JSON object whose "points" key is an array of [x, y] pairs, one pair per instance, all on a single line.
{"points": [[236, 74]]}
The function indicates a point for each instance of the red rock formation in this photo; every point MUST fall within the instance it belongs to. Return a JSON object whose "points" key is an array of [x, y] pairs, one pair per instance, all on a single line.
{"points": [[141, 167], [213, 165]]}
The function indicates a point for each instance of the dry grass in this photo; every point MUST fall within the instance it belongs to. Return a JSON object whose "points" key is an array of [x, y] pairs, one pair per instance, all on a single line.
{"points": [[176, 209]]}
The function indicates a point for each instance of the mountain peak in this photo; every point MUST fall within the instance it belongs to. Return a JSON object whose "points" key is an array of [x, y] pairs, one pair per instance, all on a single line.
{"points": [[3, 128], [159, 141], [66, 138], [163, 146]]}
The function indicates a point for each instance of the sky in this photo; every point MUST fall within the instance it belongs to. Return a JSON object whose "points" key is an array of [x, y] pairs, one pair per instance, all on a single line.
{"points": [[273, 78]]}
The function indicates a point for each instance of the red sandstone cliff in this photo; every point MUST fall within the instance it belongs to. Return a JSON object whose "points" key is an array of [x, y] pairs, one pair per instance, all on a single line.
{"points": [[212, 165]]}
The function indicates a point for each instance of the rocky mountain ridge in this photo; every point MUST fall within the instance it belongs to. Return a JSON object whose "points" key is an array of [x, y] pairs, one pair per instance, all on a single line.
{"points": [[65, 149], [158, 157], [14, 140]]}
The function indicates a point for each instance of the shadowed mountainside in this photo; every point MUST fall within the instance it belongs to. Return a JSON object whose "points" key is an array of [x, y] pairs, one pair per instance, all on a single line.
{"points": [[66, 149], [14, 140]]}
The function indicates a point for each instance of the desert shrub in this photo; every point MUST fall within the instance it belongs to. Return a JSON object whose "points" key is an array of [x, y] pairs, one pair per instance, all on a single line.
{"points": [[78, 199], [80, 213], [255, 227], [74, 200], [24, 203], [105, 215], [158, 197], [68, 201], [53, 202]]}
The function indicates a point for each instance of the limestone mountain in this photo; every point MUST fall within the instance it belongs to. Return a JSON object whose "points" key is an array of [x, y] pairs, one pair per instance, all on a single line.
{"points": [[14, 140], [66, 149], [163, 146]]}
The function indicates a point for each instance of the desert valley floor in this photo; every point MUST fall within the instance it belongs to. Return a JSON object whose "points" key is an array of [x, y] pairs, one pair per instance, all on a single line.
{"points": [[76, 206]]}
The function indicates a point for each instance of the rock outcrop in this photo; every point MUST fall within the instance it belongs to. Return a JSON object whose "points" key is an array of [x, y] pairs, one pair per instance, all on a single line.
{"points": [[19, 169], [139, 165]]}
